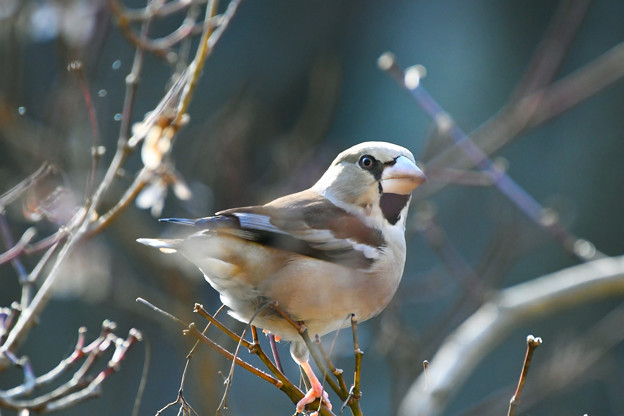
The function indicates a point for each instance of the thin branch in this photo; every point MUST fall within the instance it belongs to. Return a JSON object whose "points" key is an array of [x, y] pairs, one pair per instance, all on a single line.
{"points": [[192, 330], [303, 331], [276, 358], [8, 197], [532, 344], [338, 373], [355, 391], [124, 202], [289, 388], [41, 298], [355, 394], [185, 408], [208, 40], [162, 46], [164, 10], [77, 68], [463, 349], [14, 251], [82, 385], [200, 310], [162, 312]]}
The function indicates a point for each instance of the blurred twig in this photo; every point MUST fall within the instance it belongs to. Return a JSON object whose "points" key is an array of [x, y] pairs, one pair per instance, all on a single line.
{"points": [[553, 47], [411, 81], [536, 108]]}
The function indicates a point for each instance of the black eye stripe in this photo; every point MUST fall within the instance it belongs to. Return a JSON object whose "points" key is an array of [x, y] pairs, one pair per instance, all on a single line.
{"points": [[371, 165], [392, 162]]}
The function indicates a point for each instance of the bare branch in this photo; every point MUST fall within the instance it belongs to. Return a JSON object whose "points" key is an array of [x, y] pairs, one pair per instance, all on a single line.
{"points": [[532, 344]]}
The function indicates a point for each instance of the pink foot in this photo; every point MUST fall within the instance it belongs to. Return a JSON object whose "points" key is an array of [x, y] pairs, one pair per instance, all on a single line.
{"points": [[315, 392]]}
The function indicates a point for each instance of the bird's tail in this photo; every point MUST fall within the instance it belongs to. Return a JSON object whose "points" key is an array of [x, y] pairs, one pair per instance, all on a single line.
{"points": [[165, 245], [183, 221]]}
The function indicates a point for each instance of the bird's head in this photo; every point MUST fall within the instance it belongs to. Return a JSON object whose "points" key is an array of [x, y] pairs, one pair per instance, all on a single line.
{"points": [[374, 178]]}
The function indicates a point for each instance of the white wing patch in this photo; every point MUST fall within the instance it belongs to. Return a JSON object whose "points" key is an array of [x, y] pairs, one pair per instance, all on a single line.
{"points": [[340, 249], [368, 251], [325, 240]]}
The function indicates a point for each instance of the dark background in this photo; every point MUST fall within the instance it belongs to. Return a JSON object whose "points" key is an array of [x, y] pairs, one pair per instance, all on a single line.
{"points": [[289, 85]]}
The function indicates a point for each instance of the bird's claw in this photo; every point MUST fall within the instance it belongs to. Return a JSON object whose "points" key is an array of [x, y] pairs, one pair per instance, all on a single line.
{"points": [[316, 392]]}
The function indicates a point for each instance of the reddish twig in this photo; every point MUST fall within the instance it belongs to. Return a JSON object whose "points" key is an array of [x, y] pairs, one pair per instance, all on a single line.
{"points": [[82, 385], [192, 330]]}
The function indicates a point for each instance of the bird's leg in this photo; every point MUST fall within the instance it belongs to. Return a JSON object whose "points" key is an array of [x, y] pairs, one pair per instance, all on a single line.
{"points": [[316, 389]]}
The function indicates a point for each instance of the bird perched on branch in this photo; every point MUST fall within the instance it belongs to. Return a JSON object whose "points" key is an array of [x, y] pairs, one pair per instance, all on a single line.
{"points": [[322, 254]]}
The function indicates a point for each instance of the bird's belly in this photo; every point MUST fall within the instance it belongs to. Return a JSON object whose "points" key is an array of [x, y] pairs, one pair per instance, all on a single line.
{"points": [[250, 277]]}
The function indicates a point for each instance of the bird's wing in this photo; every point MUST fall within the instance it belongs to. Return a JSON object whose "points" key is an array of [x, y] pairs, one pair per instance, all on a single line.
{"points": [[304, 223]]}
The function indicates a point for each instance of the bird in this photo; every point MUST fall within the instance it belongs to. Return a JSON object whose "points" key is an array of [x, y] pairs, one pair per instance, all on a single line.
{"points": [[323, 254]]}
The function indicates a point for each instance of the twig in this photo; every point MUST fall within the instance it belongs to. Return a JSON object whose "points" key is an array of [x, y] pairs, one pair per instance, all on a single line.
{"points": [[14, 251], [206, 46], [276, 358], [180, 399], [82, 385], [15, 192], [532, 344], [76, 67], [355, 392], [228, 381], [162, 46], [29, 285], [47, 242], [130, 195], [353, 401], [41, 298], [162, 312], [143, 382], [303, 331], [192, 330], [338, 373], [132, 83], [200, 310], [164, 10], [286, 386]]}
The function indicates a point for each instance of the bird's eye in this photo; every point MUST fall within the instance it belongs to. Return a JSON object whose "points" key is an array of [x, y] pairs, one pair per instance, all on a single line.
{"points": [[367, 162]]}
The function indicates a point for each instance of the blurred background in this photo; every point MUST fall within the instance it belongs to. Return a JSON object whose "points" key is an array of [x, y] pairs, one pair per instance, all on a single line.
{"points": [[288, 86]]}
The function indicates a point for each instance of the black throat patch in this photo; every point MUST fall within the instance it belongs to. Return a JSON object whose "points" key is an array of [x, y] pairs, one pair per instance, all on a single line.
{"points": [[391, 206]]}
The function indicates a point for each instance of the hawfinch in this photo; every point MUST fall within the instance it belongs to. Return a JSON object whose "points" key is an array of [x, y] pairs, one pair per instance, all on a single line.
{"points": [[322, 254]]}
